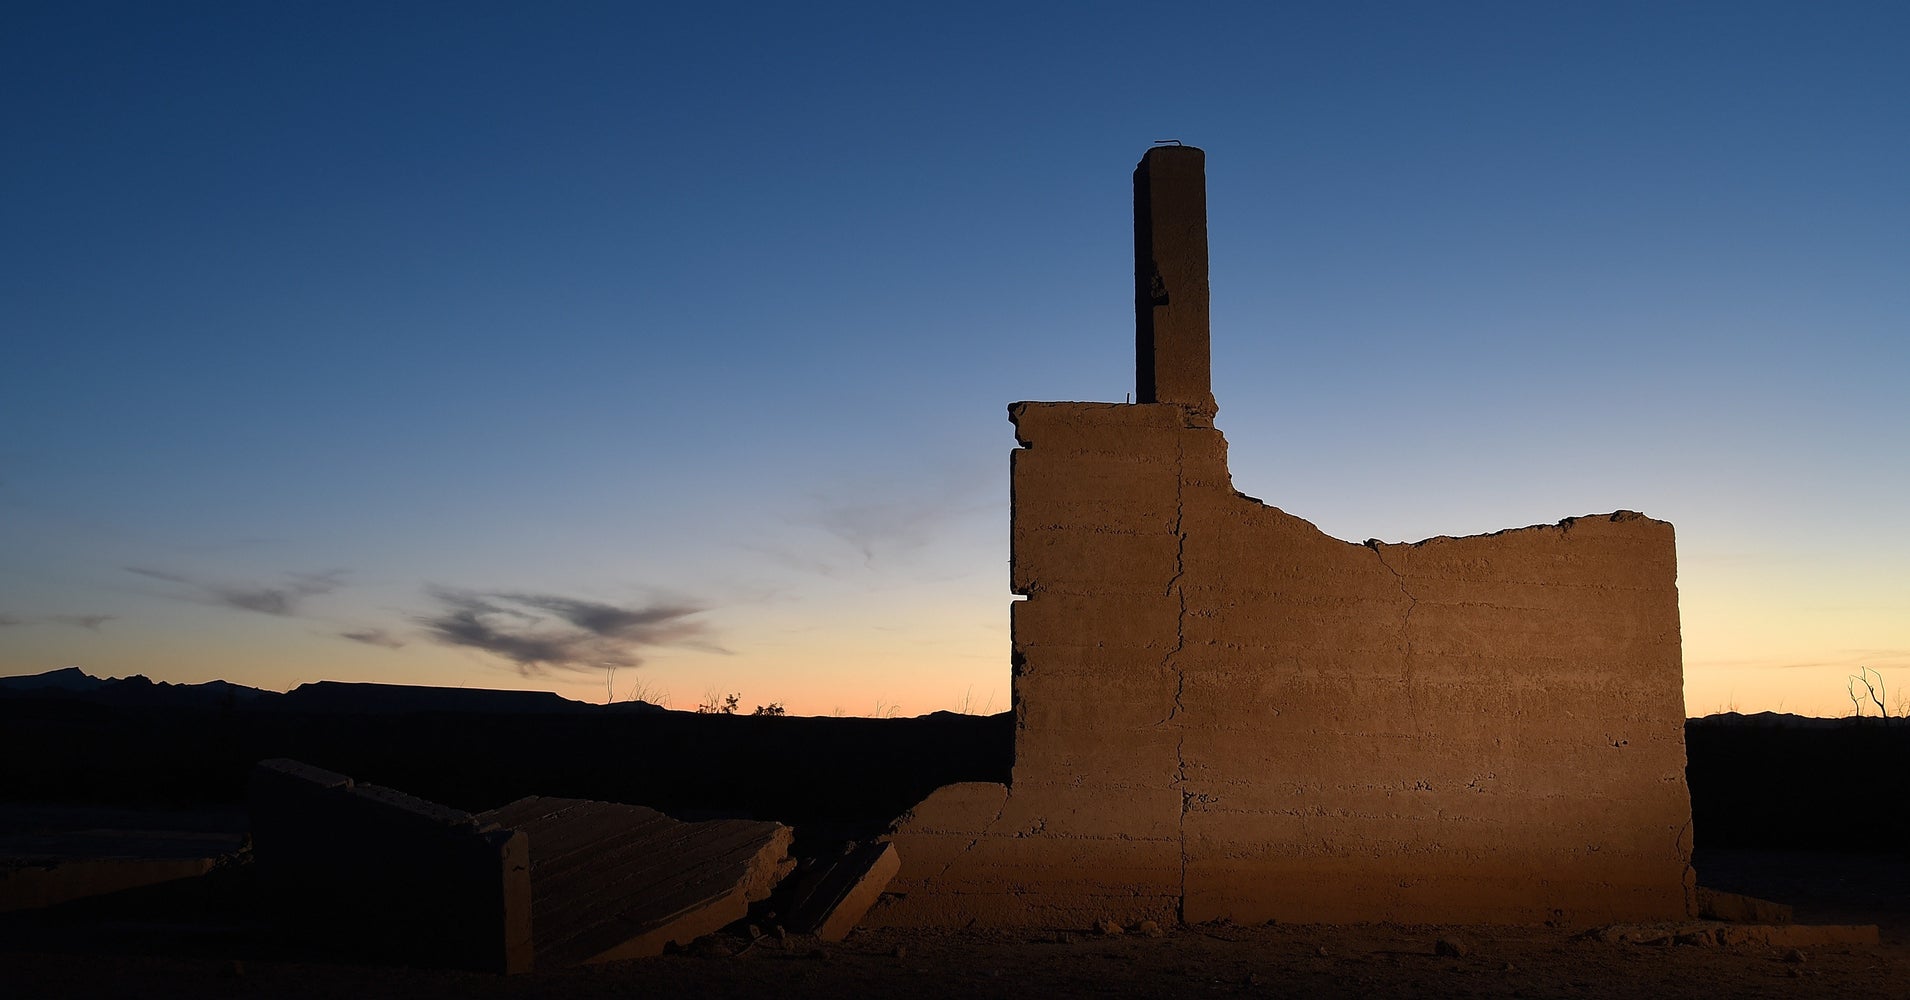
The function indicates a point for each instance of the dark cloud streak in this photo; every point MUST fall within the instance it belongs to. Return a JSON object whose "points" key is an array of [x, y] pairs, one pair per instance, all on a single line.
{"points": [[598, 637], [281, 600], [652, 625], [374, 637], [89, 622]]}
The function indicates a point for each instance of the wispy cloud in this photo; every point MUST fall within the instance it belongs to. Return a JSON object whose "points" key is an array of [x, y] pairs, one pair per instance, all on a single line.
{"points": [[539, 632], [882, 527], [374, 637], [1842, 659], [793, 560], [88, 622], [885, 525], [280, 599]]}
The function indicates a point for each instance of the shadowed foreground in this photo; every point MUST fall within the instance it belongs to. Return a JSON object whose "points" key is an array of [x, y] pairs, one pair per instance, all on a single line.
{"points": [[94, 958], [1770, 787]]}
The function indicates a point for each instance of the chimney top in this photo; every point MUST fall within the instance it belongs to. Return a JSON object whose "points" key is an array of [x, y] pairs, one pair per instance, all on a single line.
{"points": [[1172, 362]]}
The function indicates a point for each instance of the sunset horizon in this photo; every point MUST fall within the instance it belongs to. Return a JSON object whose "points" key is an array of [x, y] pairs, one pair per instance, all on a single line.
{"points": [[665, 356]]}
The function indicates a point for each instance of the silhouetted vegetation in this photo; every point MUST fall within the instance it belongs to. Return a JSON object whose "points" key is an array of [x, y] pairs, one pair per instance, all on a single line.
{"points": [[720, 704], [829, 777], [1873, 693], [1758, 781]]}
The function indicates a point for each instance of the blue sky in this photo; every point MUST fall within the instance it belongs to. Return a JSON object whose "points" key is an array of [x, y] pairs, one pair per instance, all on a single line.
{"points": [[449, 326]]}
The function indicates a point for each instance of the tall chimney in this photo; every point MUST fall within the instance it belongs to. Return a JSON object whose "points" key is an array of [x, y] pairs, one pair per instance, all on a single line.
{"points": [[1171, 354]]}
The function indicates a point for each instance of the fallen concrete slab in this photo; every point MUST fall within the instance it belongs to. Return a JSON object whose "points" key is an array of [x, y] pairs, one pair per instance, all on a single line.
{"points": [[1731, 907], [611, 881], [46, 869], [834, 894], [387, 876], [545, 882]]}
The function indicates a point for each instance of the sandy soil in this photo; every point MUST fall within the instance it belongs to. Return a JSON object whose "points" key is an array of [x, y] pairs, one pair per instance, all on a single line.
{"points": [[1201, 961], [127, 953]]}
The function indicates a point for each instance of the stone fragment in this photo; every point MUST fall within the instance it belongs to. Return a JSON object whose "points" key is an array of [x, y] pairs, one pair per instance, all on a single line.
{"points": [[708, 946], [1451, 947], [835, 893], [1739, 935]]}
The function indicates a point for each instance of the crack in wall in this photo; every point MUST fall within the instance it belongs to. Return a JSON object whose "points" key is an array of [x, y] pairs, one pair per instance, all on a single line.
{"points": [[1172, 660], [1681, 847], [1405, 629], [986, 829]]}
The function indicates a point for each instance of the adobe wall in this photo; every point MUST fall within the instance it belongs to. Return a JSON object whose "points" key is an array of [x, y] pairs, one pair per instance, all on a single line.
{"points": [[1224, 713]]}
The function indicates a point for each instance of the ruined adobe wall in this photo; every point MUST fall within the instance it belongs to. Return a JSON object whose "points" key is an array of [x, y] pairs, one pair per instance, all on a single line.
{"points": [[1224, 713]]}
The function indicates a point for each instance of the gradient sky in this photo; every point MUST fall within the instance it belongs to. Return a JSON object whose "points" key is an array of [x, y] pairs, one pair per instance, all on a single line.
{"points": [[411, 342]]}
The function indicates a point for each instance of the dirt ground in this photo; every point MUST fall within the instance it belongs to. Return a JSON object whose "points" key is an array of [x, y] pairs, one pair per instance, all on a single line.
{"points": [[127, 952]]}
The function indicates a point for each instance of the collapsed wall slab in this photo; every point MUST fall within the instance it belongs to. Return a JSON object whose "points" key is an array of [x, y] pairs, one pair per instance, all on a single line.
{"points": [[384, 875], [542, 881], [1223, 712], [610, 881], [39, 870]]}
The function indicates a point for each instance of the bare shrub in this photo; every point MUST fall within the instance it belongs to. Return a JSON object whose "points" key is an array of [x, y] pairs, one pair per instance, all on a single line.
{"points": [[647, 690], [715, 702], [1865, 692]]}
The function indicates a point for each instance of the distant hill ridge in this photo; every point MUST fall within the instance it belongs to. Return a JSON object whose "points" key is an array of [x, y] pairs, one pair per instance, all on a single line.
{"points": [[74, 684], [360, 698], [321, 697], [63, 679], [1784, 719]]}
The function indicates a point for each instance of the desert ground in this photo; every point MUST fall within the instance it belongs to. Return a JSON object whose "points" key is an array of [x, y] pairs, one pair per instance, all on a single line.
{"points": [[1801, 814], [194, 942]]}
